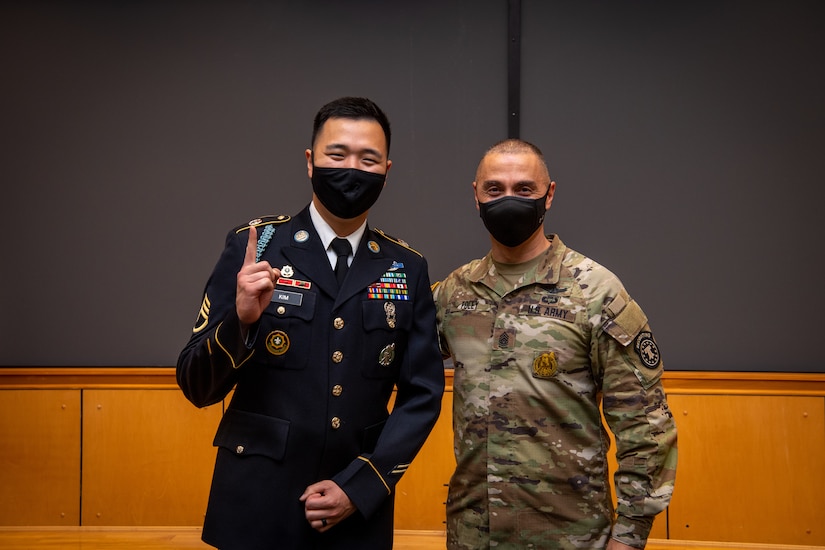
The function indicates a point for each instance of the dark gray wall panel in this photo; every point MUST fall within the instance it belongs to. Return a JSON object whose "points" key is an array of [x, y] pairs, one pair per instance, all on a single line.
{"points": [[687, 143]]}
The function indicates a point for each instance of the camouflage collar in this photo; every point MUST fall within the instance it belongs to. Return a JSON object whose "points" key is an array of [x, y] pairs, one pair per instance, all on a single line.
{"points": [[546, 270]]}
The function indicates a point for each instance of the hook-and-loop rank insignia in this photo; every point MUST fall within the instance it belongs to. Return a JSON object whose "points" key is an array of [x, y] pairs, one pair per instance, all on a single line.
{"points": [[392, 285]]}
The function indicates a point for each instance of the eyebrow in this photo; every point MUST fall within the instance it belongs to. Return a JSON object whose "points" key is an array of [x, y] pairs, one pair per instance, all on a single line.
{"points": [[489, 183]]}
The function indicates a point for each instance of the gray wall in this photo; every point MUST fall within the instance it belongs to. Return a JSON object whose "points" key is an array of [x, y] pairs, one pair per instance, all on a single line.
{"points": [[686, 139]]}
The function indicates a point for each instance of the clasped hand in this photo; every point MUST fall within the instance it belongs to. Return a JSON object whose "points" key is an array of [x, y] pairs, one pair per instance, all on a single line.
{"points": [[326, 505]]}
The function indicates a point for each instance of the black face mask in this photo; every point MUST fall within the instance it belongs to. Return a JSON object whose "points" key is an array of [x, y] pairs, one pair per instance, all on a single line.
{"points": [[346, 192], [511, 220]]}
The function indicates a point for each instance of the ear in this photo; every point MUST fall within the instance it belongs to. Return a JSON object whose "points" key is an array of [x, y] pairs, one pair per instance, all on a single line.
{"points": [[475, 195], [387, 173], [308, 154], [550, 192]]}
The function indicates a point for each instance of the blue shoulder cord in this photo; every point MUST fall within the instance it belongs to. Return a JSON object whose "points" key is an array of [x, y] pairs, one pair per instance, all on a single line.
{"points": [[263, 241]]}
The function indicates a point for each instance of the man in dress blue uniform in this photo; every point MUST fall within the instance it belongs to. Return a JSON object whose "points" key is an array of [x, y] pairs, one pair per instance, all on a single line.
{"points": [[313, 320]]}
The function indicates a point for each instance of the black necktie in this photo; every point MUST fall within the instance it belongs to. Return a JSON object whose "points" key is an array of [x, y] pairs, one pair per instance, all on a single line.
{"points": [[342, 248]]}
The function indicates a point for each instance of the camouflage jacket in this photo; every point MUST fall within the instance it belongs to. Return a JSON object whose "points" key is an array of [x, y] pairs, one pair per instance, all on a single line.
{"points": [[533, 364]]}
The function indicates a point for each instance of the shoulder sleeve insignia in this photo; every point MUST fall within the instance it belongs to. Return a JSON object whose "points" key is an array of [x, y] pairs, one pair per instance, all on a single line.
{"points": [[647, 350], [398, 242]]}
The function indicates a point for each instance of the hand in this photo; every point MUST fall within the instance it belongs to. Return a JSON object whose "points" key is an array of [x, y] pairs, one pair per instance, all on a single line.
{"points": [[256, 282], [326, 505], [613, 544]]}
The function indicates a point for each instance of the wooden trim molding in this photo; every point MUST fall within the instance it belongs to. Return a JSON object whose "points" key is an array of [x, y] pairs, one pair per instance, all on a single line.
{"points": [[744, 383], [676, 382]]}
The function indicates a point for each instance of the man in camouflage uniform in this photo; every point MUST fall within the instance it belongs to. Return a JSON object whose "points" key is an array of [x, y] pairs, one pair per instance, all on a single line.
{"points": [[540, 337]]}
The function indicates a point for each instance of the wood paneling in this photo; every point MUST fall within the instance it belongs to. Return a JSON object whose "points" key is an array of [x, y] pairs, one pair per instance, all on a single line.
{"points": [[422, 492], [40, 457], [751, 455], [147, 457], [181, 538], [751, 469]]}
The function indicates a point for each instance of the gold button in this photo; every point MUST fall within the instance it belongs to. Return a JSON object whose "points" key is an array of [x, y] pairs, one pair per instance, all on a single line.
{"points": [[239, 449], [338, 323], [337, 389], [281, 310], [337, 357], [336, 422]]}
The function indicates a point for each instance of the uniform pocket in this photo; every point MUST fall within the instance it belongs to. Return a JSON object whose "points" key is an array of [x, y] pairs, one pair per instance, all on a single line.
{"points": [[286, 329], [386, 328], [248, 434]]}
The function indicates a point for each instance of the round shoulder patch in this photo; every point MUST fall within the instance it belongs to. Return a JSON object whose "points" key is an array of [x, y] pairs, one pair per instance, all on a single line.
{"points": [[647, 350]]}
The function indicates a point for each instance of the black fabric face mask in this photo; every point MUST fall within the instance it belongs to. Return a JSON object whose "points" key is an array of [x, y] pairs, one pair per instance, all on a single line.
{"points": [[347, 192], [511, 220]]}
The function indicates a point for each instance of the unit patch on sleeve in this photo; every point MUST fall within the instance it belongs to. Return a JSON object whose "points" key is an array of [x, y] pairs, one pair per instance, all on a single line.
{"points": [[647, 350]]}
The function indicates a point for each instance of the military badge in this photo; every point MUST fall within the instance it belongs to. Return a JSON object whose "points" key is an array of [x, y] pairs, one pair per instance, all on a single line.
{"points": [[277, 342], [545, 365], [373, 246], [647, 350], [256, 221], [389, 309], [287, 271], [301, 236], [387, 355]]}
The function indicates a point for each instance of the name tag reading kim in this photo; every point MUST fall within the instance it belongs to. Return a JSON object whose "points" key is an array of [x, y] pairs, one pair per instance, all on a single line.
{"points": [[287, 297]]}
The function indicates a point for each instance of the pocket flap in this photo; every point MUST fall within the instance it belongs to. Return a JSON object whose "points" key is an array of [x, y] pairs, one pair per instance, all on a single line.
{"points": [[245, 433]]}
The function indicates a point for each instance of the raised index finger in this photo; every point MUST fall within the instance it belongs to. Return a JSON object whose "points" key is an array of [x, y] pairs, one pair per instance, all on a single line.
{"points": [[251, 246]]}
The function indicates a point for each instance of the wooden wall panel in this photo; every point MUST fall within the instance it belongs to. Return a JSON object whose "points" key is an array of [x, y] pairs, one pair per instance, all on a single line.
{"points": [[422, 492], [750, 469], [40, 457], [147, 457]]}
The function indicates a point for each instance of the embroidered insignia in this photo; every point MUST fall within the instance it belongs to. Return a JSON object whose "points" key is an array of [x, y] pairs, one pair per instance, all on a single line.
{"points": [[203, 315], [545, 365], [263, 241], [400, 468], [468, 305], [504, 338], [277, 342], [293, 282], [373, 246], [392, 285], [387, 355], [301, 236], [389, 309], [647, 350], [287, 271]]}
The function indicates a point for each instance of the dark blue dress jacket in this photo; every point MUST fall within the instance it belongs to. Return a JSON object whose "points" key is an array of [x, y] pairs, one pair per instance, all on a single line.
{"points": [[312, 385]]}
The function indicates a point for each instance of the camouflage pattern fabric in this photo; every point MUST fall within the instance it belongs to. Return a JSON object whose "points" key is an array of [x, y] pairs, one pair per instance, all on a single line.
{"points": [[534, 359]]}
